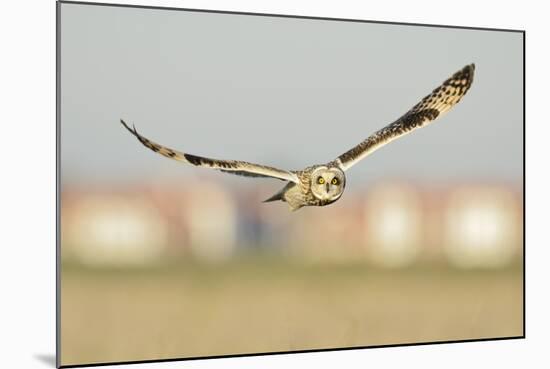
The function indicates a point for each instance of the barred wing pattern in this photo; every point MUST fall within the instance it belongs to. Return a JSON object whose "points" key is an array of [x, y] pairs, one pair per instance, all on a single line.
{"points": [[441, 100], [228, 166]]}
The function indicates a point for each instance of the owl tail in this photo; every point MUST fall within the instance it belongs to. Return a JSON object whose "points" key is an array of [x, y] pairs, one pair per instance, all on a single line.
{"points": [[277, 196], [280, 195]]}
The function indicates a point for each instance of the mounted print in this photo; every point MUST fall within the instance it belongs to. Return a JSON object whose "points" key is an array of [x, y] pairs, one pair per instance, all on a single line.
{"points": [[242, 184]]}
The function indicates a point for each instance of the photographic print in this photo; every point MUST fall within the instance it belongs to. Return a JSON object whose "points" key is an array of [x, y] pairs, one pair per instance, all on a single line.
{"points": [[240, 184]]}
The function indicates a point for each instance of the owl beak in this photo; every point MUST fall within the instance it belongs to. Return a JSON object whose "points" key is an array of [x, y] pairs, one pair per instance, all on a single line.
{"points": [[327, 187]]}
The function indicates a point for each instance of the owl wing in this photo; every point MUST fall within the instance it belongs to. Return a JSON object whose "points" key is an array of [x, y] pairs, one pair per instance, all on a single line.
{"points": [[229, 166], [441, 100]]}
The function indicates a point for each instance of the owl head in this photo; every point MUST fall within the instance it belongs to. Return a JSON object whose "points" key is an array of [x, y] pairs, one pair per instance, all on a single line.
{"points": [[327, 184]]}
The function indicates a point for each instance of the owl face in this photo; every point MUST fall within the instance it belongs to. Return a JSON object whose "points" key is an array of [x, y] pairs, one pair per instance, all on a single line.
{"points": [[327, 184]]}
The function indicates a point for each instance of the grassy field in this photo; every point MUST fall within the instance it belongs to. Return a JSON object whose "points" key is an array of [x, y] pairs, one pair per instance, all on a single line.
{"points": [[185, 310]]}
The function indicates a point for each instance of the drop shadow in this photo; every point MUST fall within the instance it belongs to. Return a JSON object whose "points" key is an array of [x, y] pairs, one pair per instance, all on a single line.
{"points": [[48, 359]]}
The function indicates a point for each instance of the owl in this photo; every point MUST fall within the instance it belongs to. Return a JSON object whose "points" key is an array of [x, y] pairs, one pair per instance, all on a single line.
{"points": [[320, 185]]}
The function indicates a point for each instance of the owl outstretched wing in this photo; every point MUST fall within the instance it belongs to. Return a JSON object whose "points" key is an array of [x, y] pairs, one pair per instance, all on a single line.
{"points": [[228, 166], [441, 100]]}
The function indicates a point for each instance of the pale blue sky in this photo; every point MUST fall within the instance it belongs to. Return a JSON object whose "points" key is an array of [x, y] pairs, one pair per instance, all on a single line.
{"points": [[280, 91]]}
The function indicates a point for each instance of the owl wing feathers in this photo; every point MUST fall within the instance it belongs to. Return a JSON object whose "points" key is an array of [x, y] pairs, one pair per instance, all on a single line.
{"points": [[441, 100], [228, 166]]}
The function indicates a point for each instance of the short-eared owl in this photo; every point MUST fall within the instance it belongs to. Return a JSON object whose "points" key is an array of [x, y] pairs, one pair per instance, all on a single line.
{"points": [[324, 184]]}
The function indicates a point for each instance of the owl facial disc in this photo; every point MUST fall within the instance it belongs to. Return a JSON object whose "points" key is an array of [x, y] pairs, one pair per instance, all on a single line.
{"points": [[327, 184]]}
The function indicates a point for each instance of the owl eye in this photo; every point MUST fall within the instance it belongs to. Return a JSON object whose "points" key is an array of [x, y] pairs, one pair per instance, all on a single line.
{"points": [[334, 181], [320, 180]]}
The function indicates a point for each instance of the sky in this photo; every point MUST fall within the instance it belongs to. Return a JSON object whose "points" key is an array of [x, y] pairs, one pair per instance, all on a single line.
{"points": [[283, 92]]}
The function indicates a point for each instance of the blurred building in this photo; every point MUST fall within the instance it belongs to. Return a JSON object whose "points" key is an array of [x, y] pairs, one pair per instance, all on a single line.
{"points": [[483, 226], [393, 224], [210, 217], [110, 228], [332, 233]]}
